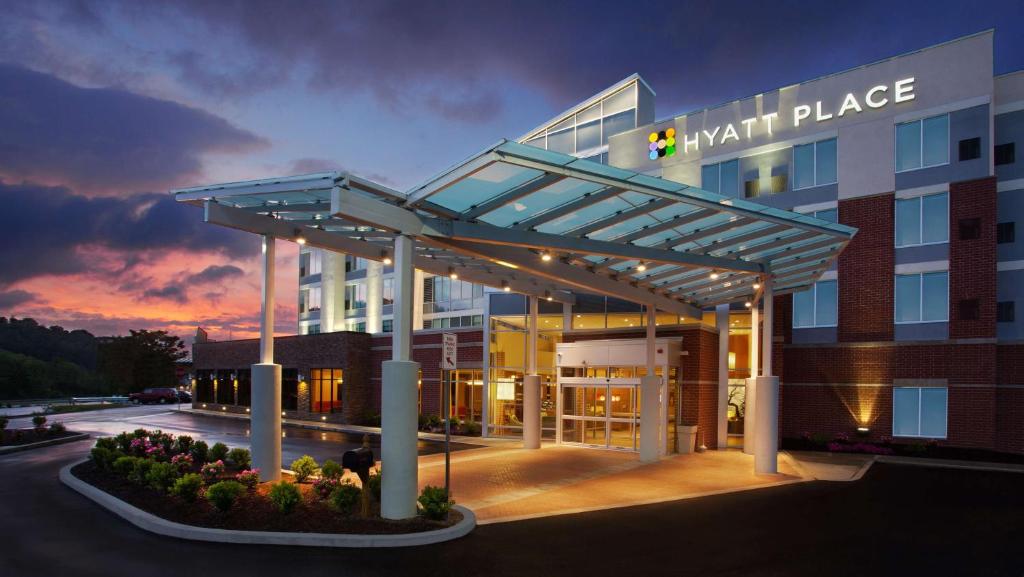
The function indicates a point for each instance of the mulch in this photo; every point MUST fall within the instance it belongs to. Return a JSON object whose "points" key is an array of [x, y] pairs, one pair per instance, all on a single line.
{"points": [[254, 511]]}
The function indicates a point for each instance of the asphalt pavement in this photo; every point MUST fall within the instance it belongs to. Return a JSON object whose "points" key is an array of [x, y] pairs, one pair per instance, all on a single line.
{"points": [[897, 520]]}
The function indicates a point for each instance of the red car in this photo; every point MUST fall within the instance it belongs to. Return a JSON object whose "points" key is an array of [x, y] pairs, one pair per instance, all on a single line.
{"points": [[154, 395]]}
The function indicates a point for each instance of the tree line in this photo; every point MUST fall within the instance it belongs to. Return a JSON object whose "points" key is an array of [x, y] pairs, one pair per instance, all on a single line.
{"points": [[39, 362]]}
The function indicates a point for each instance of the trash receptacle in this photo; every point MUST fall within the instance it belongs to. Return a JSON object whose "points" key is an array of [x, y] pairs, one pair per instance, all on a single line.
{"points": [[687, 435]]}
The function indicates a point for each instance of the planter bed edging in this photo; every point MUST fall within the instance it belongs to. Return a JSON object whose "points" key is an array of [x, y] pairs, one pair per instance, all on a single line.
{"points": [[40, 444], [161, 526]]}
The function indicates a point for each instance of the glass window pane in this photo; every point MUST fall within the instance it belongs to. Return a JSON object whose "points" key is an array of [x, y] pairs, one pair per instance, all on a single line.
{"points": [[935, 214], [908, 221], [588, 135], [709, 177], [562, 141], [729, 180], [905, 411], [803, 166], [908, 146], [825, 162], [908, 298], [567, 123], [621, 100], [592, 113], [538, 142], [936, 140], [831, 215], [826, 304], [617, 123], [933, 412], [803, 308], [935, 291]]}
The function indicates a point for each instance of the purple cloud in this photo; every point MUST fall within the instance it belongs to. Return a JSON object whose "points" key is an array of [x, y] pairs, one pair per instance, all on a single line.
{"points": [[215, 273]]}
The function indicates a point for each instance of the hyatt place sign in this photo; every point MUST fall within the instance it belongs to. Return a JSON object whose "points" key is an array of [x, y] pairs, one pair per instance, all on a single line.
{"points": [[664, 143]]}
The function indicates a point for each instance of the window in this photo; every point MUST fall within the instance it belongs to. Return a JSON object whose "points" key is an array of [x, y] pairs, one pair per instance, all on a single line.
{"points": [[723, 178], [922, 220], [970, 148], [325, 390], [353, 263], [1005, 232], [313, 329], [752, 188], [309, 299], [922, 143], [355, 296], [303, 264], [388, 326], [589, 129], [922, 298], [829, 214], [1005, 153], [814, 164], [388, 291], [1005, 312], [919, 412], [817, 306]]}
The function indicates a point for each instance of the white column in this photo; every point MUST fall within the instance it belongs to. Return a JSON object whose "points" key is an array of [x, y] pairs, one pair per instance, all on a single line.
{"points": [[531, 383], [766, 419], [265, 412], [650, 397], [722, 322], [374, 296], [750, 394], [417, 300], [398, 397], [332, 291]]}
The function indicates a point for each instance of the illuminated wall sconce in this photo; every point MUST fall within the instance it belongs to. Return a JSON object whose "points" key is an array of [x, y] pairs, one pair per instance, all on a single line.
{"points": [[505, 286], [323, 418], [863, 430], [385, 258], [661, 144], [247, 409], [282, 413], [732, 361]]}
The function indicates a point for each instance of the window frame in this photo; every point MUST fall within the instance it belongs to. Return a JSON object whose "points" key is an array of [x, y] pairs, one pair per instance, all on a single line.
{"points": [[920, 298], [814, 308], [920, 145], [814, 164], [920, 390], [920, 220]]}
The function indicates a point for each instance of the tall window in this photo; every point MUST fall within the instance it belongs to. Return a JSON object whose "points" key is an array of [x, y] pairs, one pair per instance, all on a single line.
{"points": [[723, 177], [814, 164], [355, 296], [311, 261], [354, 263], [589, 129], [325, 390], [922, 143], [922, 220], [922, 298], [817, 306], [919, 412], [388, 291]]}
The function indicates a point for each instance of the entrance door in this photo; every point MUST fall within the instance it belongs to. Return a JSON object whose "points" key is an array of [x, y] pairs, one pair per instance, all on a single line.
{"points": [[602, 414]]}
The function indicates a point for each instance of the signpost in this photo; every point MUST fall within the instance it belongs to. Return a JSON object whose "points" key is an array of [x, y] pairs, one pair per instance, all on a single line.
{"points": [[449, 358]]}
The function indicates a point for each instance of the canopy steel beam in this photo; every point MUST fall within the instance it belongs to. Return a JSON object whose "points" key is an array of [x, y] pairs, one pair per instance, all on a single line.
{"points": [[568, 208], [620, 216]]}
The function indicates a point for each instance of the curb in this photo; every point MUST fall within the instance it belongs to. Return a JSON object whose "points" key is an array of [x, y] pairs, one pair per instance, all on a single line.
{"points": [[160, 526], [41, 444], [950, 464]]}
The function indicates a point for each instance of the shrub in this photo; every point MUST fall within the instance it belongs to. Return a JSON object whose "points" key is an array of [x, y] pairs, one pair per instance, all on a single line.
{"points": [[57, 428], [109, 443], [200, 451], [139, 472], [433, 421], [124, 441], [212, 471], [373, 482], [324, 486], [124, 466], [239, 457], [304, 467], [218, 452], [182, 461], [433, 504], [183, 444], [472, 428], [3, 423], [422, 421], [38, 421], [331, 470], [285, 496], [345, 497], [224, 494], [187, 487], [161, 476], [249, 477], [103, 457]]}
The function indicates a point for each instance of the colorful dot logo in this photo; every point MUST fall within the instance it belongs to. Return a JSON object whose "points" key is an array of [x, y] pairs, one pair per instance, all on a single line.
{"points": [[662, 143]]}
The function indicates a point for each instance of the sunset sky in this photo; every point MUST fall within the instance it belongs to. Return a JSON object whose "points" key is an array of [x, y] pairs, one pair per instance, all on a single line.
{"points": [[106, 106]]}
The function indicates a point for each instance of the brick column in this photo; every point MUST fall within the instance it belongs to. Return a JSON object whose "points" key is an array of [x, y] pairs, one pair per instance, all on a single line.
{"points": [[866, 280]]}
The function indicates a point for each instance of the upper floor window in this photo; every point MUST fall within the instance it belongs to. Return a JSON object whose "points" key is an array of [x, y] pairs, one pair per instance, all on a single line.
{"points": [[922, 297], [1005, 154], [388, 291], [723, 177], [355, 296], [354, 263], [814, 164], [817, 306], [590, 128], [922, 219], [922, 143]]}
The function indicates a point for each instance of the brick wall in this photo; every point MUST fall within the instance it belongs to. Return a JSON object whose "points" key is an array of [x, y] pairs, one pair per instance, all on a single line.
{"points": [[866, 270], [972, 262]]}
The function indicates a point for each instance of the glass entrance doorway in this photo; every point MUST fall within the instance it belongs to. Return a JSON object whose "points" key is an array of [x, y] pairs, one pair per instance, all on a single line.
{"points": [[604, 414]]}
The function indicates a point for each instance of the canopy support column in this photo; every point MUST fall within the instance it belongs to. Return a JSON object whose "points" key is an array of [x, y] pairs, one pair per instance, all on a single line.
{"points": [[531, 383], [766, 421], [398, 397], [750, 394], [650, 396], [265, 412], [722, 323]]}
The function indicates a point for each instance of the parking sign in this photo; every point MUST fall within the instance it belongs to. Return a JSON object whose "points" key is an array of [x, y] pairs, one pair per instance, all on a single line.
{"points": [[449, 352]]}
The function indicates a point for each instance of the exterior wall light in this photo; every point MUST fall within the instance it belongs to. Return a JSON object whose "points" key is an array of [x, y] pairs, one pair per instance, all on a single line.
{"points": [[546, 257], [714, 276], [757, 286], [547, 296], [323, 418], [641, 267], [299, 238], [863, 430], [452, 274], [385, 257], [505, 287], [747, 304]]}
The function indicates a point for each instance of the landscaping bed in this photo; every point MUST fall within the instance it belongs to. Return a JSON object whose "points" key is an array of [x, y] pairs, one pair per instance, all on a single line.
{"points": [[931, 449], [183, 481], [39, 433]]}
